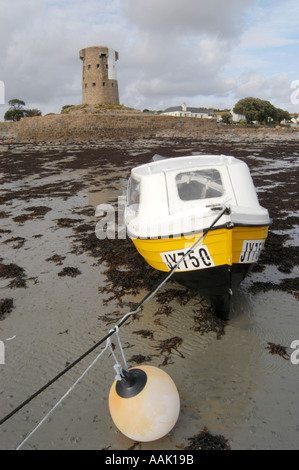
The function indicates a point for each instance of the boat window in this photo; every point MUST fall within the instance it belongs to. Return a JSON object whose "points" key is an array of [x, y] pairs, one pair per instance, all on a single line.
{"points": [[133, 193], [199, 184]]}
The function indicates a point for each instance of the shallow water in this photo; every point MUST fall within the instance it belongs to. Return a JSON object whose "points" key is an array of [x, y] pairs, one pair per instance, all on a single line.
{"points": [[231, 385]]}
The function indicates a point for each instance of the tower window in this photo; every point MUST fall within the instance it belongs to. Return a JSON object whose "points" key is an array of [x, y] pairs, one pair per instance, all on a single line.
{"points": [[89, 67], [85, 85], [98, 66], [94, 84], [103, 83]]}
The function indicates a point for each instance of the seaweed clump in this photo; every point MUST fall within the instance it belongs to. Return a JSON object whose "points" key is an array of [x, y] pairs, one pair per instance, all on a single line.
{"points": [[12, 270], [166, 346], [290, 285], [69, 271], [140, 359], [126, 270], [6, 306], [278, 349], [57, 259], [207, 441], [35, 211], [206, 321]]}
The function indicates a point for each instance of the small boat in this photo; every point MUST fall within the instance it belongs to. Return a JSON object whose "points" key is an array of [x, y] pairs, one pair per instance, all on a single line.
{"points": [[199, 216]]}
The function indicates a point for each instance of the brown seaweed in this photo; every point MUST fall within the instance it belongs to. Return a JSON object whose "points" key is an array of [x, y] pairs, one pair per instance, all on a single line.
{"points": [[278, 349], [6, 306], [69, 271], [207, 441]]}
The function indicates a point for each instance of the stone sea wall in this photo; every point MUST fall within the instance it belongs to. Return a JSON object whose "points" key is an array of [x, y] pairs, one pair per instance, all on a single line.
{"points": [[89, 127]]}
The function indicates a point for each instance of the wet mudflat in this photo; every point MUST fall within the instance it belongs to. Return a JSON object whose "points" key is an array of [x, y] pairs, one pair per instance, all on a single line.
{"points": [[62, 289]]}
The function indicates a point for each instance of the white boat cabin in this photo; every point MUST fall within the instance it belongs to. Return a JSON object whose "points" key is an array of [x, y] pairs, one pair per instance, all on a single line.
{"points": [[175, 196]]}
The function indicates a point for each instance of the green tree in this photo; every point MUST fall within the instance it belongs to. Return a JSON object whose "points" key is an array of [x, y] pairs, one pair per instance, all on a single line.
{"points": [[226, 118], [248, 107], [17, 111], [32, 112], [267, 112], [255, 109], [16, 103], [281, 115], [66, 107]]}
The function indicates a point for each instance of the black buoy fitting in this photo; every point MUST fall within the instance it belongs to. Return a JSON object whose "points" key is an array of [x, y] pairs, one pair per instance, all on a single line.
{"points": [[133, 382]]}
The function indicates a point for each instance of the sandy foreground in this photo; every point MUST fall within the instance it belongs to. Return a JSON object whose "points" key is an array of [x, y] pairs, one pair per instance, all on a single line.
{"points": [[62, 289]]}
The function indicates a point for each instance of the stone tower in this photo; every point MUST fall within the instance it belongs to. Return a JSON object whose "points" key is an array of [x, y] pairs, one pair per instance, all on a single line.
{"points": [[99, 82]]}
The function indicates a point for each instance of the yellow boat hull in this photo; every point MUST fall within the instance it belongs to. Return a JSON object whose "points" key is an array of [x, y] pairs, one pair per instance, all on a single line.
{"points": [[225, 247], [217, 264]]}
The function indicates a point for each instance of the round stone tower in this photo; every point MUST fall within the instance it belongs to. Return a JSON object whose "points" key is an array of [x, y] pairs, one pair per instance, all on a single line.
{"points": [[99, 82]]}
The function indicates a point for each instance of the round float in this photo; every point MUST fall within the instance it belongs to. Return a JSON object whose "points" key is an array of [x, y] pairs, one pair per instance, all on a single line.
{"points": [[145, 404]]}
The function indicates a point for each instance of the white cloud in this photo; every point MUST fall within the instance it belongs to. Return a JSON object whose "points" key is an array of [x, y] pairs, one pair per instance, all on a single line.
{"points": [[276, 89], [252, 84], [41, 44], [179, 49], [187, 17], [273, 27]]}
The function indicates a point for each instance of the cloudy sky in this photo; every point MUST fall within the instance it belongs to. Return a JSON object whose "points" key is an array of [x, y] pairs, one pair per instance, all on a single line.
{"points": [[201, 52]]}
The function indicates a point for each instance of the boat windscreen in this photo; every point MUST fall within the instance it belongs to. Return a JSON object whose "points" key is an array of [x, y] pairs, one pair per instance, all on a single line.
{"points": [[134, 193], [199, 184]]}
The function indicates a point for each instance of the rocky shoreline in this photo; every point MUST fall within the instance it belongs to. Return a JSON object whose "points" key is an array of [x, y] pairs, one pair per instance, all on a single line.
{"points": [[82, 127]]}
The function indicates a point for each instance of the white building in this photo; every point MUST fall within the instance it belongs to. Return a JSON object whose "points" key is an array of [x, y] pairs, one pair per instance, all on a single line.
{"points": [[295, 119], [184, 111], [237, 117]]}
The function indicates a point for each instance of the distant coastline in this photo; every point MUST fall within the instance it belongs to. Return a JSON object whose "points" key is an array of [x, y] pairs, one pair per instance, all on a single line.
{"points": [[83, 124]]}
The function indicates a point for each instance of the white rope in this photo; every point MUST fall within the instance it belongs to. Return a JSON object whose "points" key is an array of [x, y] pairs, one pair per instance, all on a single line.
{"points": [[117, 367], [62, 398], [120, 347]]}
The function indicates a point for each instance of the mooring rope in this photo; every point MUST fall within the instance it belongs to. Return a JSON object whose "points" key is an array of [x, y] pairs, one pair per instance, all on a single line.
{"points": [[62, 398], [107, 337], [120, 347]]}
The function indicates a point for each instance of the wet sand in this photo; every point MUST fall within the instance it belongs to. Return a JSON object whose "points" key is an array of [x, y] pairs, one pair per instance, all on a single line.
{"points": [[62, 289]]}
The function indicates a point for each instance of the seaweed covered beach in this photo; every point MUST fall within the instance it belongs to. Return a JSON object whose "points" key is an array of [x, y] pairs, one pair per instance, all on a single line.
{"points": [[62, 289]]}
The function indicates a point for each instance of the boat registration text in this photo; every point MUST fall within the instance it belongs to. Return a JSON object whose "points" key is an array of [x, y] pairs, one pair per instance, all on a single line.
{"points": [[251, 250], [199, 258]]}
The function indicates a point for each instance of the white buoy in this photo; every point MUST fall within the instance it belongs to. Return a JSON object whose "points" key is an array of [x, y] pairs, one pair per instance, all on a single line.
{"points": [[145, 404]]}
